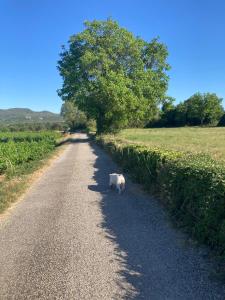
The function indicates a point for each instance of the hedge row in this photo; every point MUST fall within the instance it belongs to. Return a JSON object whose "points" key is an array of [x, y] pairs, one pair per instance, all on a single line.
{"points": [[191, 186]]}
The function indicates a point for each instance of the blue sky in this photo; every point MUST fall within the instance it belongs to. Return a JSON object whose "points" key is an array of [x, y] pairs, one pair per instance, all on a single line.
{"points": [[32, 32]]}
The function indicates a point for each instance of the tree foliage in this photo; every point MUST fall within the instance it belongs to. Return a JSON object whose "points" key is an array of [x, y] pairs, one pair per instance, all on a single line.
{"points": [[222, 121], [204, 109], [73, 117], [199, 109], [113, 76]]}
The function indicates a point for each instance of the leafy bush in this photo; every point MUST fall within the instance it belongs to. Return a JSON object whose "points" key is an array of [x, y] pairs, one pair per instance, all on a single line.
{"points": [[192, 186]]}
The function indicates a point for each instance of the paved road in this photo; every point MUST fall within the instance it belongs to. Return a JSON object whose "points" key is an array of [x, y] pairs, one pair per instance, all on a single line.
{"points": [[72, 238]]}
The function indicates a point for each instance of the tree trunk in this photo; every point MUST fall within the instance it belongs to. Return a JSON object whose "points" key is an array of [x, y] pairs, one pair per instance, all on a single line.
{"points": [[202, 119], [99, 124]]}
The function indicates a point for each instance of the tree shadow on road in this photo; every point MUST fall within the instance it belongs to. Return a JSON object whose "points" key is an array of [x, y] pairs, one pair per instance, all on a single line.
{"points": [[126, 225], [72, 140], [154, 259]]}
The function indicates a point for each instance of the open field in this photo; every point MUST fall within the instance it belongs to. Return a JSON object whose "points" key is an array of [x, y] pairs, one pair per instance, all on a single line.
{"points": [[189, 139]]}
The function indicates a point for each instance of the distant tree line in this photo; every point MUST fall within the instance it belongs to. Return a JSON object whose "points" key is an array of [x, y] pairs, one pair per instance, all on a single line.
{"points": [[73, 117], [199, 109], [60, 126]]}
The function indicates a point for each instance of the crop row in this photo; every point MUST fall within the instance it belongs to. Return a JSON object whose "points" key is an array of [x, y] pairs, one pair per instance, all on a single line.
{"points": [[23, 148], [18, 137]]}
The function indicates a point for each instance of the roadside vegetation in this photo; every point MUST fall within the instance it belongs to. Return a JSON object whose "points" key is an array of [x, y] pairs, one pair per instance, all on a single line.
{"points": [[191, 186], [21, 154]]}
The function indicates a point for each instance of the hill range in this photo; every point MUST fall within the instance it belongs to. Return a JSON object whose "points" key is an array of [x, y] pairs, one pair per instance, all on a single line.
{"points": [[25, 115]]}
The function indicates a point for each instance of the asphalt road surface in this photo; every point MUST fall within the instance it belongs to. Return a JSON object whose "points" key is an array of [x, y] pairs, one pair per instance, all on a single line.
{"points": [[73, 238]]}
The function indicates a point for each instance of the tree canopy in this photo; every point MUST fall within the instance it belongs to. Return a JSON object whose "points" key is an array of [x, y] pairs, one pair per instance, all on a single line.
{"points": [[204, 109], [114, 77], [199, 109], [74, 118]]}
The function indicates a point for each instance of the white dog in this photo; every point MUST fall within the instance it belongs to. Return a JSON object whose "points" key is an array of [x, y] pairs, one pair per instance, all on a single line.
{"points": [[118, 181]]}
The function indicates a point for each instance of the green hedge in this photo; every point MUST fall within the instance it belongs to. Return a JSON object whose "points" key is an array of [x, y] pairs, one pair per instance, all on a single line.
{"points": [[191, 186]]}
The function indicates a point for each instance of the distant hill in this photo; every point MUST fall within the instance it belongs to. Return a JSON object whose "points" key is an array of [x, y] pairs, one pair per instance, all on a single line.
{"points": [[25, 115]]}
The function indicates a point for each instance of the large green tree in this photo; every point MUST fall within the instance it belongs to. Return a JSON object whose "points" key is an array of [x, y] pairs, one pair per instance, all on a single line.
{"points": [[114, 77]]}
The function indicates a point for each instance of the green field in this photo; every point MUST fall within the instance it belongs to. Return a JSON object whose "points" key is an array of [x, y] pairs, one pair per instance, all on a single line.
{"points": [[188, 139], [21, 153], [20, 149]]}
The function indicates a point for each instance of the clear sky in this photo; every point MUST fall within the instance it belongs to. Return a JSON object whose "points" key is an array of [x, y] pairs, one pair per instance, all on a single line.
{"points": [[32, 32]]}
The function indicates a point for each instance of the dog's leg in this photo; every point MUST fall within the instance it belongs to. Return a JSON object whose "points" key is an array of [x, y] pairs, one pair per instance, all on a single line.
{"points": [[110, 184], [118, 188], [122, 187]]}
